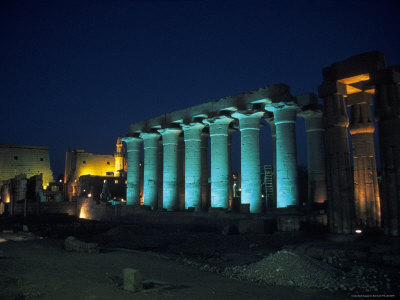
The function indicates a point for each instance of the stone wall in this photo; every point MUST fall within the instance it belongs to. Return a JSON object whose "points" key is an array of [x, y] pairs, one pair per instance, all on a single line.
{"points": [[28, 160], [34, 208], [93, 164]]}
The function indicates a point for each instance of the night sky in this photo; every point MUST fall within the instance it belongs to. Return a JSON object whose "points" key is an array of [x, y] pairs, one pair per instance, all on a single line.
{"points": [[77, 73]]}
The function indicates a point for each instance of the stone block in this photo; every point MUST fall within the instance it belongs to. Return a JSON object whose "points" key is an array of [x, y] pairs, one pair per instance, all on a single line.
{"points": [[244, 208], [329, 88], [289, 223], [132, 280], [255, 226], [230, 229]]}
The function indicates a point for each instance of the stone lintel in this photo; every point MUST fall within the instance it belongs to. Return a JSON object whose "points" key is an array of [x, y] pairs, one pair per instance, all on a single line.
{"points": [[254, 98], [358, 64], [328, 88], [358, 98]]}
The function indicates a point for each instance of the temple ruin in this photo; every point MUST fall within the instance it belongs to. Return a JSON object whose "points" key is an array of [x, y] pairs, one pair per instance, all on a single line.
{"points": [[175, 148]]}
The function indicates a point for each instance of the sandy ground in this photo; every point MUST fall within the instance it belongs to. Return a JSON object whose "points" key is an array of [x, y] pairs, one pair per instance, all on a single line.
{"points": [[34, 268]]}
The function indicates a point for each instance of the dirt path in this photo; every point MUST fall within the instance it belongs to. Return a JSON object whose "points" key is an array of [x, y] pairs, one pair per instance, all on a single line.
{"points": [[42, 269]]}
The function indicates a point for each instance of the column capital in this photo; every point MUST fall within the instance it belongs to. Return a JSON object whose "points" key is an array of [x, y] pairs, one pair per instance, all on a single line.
{"points": [[192, 126], [218, 120], [149, 135], [274, 107], [131, 142], [332, 87], [244, 114], [311, 114], [169, 130]]}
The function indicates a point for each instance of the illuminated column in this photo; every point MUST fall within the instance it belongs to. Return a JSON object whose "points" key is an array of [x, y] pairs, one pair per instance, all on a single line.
{"points": [[286, 153], [230, 183], [205, 193], [181, 173], [315, 154], [170, 138], [219, 160], [338, 168], [133, 174], [270, 120], [151, 180], [387, 112], [249, 125], [192, 137], [366, 192]]}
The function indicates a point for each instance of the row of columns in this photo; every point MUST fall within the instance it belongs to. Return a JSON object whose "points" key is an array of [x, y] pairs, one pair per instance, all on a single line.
{"points": [[282, 120]]}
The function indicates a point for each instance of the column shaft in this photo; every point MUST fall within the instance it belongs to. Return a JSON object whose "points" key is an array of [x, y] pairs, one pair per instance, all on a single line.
{"points": [[339, 178], [249, 125], [133, 174], [286, 156], [205, 189], [192, 137], [151, 180], [317, 192], [387, 112], [271, 203], [366, 192], [170, 138], [219, 161]]}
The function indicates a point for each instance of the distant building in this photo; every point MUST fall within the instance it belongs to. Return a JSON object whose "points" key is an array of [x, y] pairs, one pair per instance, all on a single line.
{"points": [[79, 163], [28, 160]]}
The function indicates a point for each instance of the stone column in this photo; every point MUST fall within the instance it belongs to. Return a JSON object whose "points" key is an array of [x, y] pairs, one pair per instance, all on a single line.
{"points": [[170, 138], [270, 119], [339, 177], [192, 137], [151, 180], [387, 112], [181, 172], [317, 192], [230, 174], [205, 191], [249, 125], [286, 153], [133, 174], [219, 160], [366, 192]]}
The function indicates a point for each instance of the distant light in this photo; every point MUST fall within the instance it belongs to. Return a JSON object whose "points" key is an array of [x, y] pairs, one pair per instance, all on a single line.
{"points": [[104, 181], [240, 190], [123, 200], [60, 180], [84, 190], [262, 196], [358, 231], [89, 195]]}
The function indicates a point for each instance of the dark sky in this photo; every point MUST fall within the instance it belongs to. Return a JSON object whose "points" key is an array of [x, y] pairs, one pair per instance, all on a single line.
{"points": [[77, 73]]}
